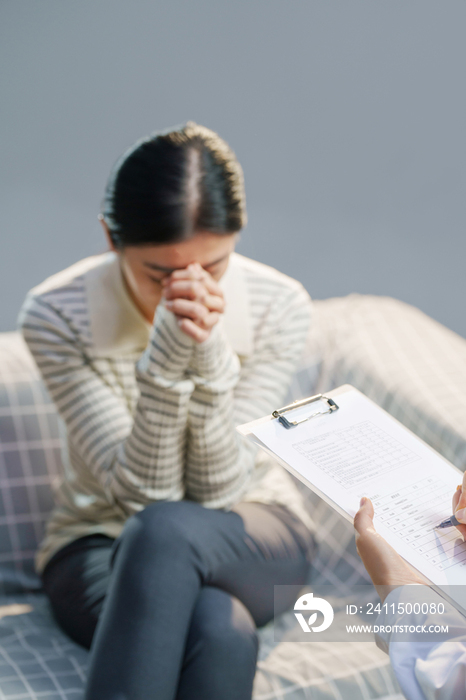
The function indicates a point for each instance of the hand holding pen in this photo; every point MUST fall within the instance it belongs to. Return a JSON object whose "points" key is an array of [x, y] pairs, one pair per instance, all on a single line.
{"points": [[458, 519]]}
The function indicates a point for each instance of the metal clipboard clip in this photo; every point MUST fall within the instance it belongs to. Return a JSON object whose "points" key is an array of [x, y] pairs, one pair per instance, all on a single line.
{"points": [[332, 407]]}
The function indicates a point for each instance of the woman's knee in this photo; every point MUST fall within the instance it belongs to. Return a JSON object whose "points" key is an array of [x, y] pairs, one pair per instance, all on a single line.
{"points": [[224, 629], [165, 527]]}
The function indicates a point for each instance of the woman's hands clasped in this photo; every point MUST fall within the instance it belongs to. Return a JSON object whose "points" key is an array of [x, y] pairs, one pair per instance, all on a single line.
{"points": [[195, 298]]}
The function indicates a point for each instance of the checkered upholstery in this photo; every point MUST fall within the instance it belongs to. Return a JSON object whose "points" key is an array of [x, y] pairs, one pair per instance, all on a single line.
{"points": [[30, 462], [37, 660], [406, 362]]}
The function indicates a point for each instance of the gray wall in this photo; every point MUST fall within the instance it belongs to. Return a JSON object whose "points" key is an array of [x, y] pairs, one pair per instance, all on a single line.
{"points": [[348, 117]]}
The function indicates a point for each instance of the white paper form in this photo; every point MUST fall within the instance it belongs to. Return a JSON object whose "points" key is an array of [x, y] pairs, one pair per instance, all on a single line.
{"points": [[360, 450]]}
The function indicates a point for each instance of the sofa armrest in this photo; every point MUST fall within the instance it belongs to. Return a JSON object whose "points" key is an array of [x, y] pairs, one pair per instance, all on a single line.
{"points": [[411, 365]]}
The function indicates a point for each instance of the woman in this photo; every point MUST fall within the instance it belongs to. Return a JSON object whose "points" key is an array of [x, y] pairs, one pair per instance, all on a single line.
{"points": [[432, 670], [171, 530]]}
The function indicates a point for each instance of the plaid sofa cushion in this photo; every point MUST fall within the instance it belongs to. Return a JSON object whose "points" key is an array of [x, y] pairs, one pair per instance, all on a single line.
{"points": [[322, 670], [30, 462], [37, 660]]}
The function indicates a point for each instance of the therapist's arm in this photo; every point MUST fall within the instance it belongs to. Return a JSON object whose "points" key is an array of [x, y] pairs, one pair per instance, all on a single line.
{"points": [[383, 564], [424, 670]]}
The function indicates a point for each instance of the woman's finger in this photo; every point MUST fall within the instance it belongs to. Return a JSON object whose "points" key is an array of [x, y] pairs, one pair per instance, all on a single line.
{"points": [[192, 330], [189, 309], [212, 285], [194, 290], [191, 272], [211, 319], [215, 303], [196, 272], [194, 310]]}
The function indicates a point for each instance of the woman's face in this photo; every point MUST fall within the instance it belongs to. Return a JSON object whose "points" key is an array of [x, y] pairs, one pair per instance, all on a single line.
{"points": [[144, 267]]}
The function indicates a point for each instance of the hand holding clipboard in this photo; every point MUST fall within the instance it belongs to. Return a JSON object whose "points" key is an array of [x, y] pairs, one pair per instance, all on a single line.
{"points": [[352, 449]]}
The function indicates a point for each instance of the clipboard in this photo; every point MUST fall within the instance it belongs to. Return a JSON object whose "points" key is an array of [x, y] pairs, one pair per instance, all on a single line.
{"points": [[343, 446], [247, 430], [287, 423]]}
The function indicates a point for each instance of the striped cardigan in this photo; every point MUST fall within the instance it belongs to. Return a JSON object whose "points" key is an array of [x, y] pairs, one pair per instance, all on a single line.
{"points": [[148, 414]]}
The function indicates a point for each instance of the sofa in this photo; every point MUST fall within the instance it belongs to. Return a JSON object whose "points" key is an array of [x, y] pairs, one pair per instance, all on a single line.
{"points": [[409, 364]]}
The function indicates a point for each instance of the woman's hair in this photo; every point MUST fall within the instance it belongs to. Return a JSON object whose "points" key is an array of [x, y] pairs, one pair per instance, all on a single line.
{"points": [[172, 184]]}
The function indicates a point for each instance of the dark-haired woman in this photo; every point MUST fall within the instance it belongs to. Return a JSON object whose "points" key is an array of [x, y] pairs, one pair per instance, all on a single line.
{"points": [[170, 530]]}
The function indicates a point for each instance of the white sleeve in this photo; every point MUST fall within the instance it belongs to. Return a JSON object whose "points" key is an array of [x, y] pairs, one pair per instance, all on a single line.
{"points": [[425, 670]]}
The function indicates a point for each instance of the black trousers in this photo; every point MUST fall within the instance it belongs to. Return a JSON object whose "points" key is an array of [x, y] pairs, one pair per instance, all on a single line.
{"points": [[170, 608]]}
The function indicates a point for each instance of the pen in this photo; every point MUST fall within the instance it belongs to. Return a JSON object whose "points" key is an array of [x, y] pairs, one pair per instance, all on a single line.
{"points": [[449, 522]]}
